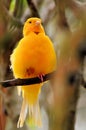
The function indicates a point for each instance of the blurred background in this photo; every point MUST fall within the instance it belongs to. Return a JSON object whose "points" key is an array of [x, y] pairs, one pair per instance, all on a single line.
{"points": [[63, 104]]}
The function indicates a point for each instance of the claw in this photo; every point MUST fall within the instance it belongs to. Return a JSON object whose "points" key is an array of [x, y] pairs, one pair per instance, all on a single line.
{"points": [[41, 77]]}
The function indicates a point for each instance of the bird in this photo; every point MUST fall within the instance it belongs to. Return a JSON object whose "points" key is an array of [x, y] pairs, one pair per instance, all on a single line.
{"points": [[34, 56]]}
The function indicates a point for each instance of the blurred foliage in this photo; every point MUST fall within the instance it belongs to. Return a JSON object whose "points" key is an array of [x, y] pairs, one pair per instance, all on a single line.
{"points": [[65, 23]]}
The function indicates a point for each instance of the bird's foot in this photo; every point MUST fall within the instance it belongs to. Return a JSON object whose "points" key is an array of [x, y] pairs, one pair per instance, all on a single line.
{"points": [[40, 76]]}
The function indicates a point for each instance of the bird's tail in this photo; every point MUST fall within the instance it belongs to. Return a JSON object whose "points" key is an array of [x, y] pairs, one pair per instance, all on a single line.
{"points": [[23, 114], [35, 115], [30, 100]]}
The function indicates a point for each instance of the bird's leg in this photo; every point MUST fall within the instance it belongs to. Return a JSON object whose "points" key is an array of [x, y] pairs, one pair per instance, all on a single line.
{"points": [[40, 76]]}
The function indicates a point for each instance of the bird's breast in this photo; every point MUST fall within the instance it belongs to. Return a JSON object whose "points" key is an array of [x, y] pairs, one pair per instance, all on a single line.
{"points": [[35, 54]]}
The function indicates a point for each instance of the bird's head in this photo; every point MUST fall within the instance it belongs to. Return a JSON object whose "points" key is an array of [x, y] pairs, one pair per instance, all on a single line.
{"points": [[33, 25]]}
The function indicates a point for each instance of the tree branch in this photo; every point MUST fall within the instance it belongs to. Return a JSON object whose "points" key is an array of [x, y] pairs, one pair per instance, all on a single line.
{"points": [[28, 81], [16, 8], [83, 83], [79, 8], [33, 8], [62, 20]]}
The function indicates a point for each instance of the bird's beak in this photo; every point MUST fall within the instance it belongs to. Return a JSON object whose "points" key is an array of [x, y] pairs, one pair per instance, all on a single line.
{"points": [[38, 23]]}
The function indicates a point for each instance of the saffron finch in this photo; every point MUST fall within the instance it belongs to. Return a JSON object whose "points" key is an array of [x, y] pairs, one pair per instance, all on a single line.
{"points": [[34, 56]]}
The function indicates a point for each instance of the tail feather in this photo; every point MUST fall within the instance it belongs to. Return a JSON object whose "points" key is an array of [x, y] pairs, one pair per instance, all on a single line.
{"points": [[35, 115], [30, 99], [19, 90], [23, 114]]}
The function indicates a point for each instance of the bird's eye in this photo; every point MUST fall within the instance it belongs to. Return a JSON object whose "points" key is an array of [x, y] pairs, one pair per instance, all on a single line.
{"points": [[30, 22]]}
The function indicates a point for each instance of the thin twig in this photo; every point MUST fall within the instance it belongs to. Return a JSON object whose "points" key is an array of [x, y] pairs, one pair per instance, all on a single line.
{"points": [[33, 8], [8, 17], [83, 83], [62, 20], [79, 8], [16, 8], [28, 81]]}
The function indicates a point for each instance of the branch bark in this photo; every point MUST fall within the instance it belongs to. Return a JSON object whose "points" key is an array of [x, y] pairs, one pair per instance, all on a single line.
{"points": [[33, 8], [28, 81], [62, 21]]}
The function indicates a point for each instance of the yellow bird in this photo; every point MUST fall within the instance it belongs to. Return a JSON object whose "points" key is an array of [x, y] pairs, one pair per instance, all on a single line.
{"points": [[34, 56]]}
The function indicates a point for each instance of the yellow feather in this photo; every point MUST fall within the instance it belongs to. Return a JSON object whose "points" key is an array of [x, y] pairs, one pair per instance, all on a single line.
{"points": [[34, 56]]}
